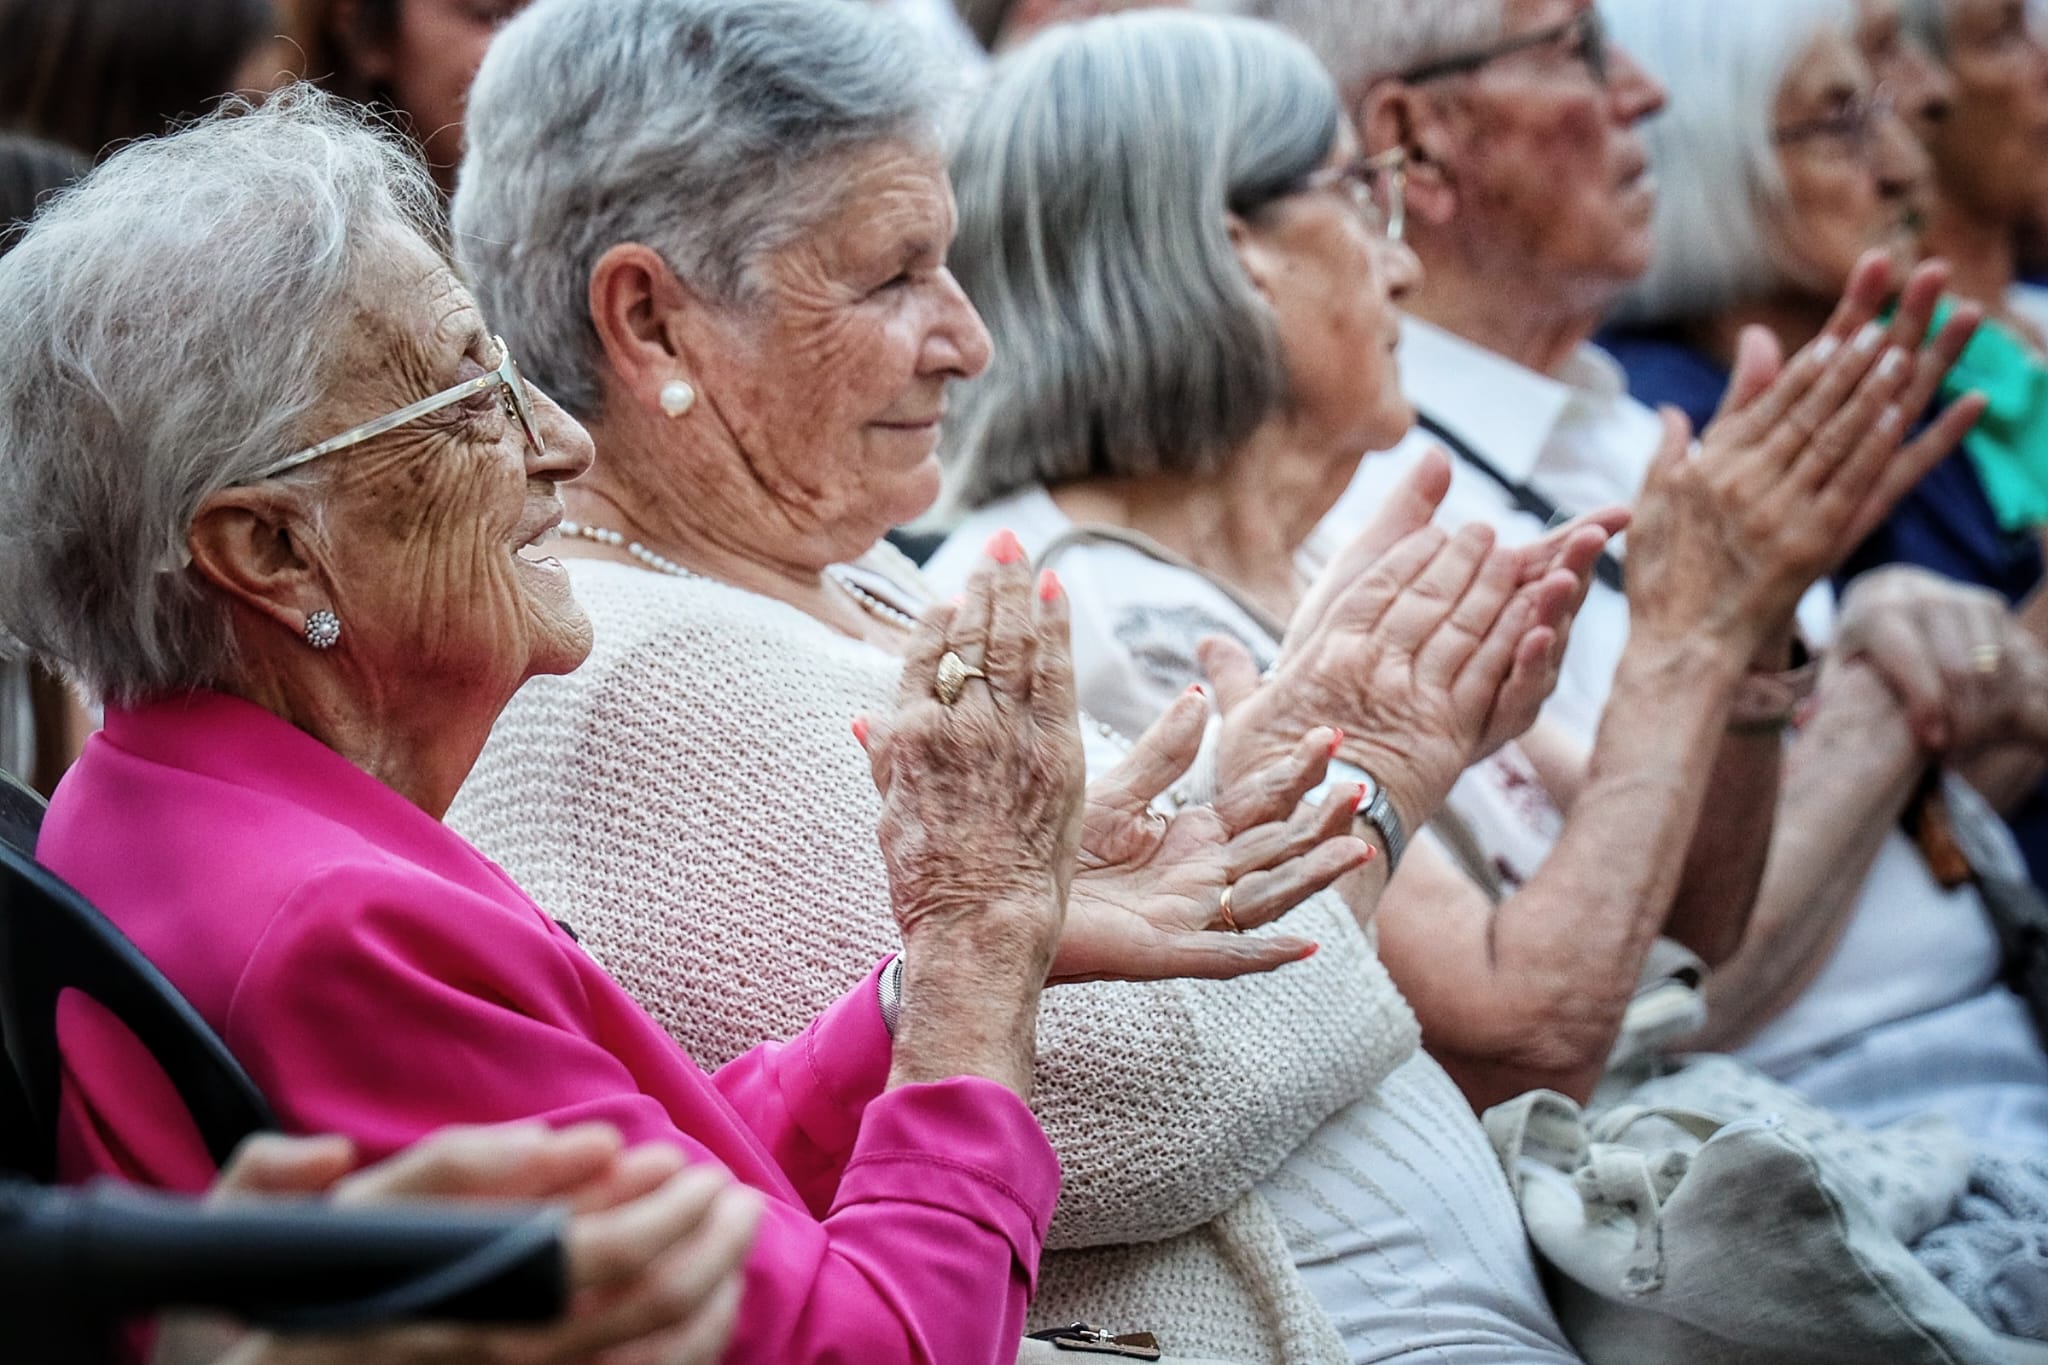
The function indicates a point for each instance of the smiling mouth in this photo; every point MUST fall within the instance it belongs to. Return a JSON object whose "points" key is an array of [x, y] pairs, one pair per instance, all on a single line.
{"points": [[530, 550]]}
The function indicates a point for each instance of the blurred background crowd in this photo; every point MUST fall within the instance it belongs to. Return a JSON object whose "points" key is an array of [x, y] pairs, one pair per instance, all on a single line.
{"points": [[1440, 605]]}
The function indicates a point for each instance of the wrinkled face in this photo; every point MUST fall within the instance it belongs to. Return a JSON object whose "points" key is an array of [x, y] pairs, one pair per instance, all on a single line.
{"points": [[831, 381], [433, 57], [427, 532], [1853, 174], [1992, 153], [1548, 165], [1335, 283]]}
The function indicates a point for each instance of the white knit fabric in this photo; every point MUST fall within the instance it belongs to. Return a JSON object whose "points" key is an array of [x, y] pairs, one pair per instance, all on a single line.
{"points": [[692, 804]]}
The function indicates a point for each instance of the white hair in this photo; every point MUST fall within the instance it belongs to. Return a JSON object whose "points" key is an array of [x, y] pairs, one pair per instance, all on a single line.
{"points": [[709, 130], [1713, 151], [1363, 41], [171, 319], [1094, 179]]}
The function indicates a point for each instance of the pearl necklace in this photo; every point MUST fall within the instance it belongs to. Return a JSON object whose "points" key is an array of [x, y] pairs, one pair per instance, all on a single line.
{"points": [[600, 535]]}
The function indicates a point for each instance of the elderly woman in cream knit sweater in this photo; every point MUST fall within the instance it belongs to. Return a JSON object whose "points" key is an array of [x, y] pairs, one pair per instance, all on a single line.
{"points": [[718, 231]]}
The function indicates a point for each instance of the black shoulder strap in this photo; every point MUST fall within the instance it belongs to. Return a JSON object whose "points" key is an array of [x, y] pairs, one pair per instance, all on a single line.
{"points": [[1607, 568]]}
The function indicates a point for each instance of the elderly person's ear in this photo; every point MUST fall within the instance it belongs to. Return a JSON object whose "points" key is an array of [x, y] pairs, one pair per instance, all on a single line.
{"points": [[1396, 114], [1253, 253], [646, 320], [251, 544]]}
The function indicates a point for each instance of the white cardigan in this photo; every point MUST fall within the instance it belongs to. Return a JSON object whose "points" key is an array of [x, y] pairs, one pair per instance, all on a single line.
{"points": [[692, 803]]}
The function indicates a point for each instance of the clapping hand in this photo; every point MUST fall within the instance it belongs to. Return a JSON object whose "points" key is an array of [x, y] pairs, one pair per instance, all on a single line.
{"points": [[1148, 895]]}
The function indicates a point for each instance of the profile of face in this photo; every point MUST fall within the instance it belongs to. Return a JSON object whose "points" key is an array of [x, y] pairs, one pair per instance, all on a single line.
{"points": [[1335, 283], [1854, 175], [425, 542], [1546, 157], [829, 379], [427, 64], [1991, 154]]}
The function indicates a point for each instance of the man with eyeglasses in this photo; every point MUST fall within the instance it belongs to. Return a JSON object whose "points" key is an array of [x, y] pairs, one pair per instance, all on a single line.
{"points": [[1528, 202]]}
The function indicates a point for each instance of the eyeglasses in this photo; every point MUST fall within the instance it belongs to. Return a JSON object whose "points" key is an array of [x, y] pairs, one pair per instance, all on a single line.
{"points": [[1377, 187], [518, 406], [1586, 30], [1854, 125]]}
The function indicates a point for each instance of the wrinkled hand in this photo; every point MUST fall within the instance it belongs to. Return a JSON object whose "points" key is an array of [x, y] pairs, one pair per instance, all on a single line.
{"points": [[1799, 466], [655, 1251], [1146, 893], [1408, 659], [981, 800], [1554, 574], [1968, 676]]}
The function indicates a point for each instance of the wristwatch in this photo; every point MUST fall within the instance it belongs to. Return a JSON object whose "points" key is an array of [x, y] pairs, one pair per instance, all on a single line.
{"points": [[1376, 809]]}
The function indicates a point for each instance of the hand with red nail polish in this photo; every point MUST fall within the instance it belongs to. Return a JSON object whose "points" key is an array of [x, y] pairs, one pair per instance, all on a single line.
{"points": [[1149, 887]]}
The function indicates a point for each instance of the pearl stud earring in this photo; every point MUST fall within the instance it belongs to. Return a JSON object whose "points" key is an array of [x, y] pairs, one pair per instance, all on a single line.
{"points": [[323, 629], [677, 398]]}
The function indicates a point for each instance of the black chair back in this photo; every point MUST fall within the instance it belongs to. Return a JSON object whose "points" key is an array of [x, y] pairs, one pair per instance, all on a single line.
{"points": [[52, 940]]}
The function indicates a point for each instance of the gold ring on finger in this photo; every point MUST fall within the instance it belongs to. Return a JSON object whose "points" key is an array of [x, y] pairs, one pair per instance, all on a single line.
{"points": [[953, 675], [1986, 659], [1223, 911]]}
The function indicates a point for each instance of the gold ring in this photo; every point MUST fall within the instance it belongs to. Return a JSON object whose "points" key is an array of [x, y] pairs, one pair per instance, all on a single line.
{"points": [[1223, 911], [1986, 659], [953, 674]]}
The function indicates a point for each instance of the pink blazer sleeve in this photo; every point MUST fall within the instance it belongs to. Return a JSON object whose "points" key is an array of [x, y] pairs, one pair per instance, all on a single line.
{"points": [[903, 1226]]}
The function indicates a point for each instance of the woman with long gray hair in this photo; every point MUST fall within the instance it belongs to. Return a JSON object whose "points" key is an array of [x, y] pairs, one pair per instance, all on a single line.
{"points": [[719, 229]]}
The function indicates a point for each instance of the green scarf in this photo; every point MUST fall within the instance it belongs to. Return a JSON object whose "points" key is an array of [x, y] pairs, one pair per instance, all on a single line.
{"points": [[2009, 445]]}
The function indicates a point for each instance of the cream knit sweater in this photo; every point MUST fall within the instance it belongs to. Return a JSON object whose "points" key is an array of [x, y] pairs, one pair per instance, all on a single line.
{"points": [[692, 804]]}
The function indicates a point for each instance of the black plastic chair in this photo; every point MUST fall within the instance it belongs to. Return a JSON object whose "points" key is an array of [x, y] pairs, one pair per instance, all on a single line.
{"points": [[51, 940]]}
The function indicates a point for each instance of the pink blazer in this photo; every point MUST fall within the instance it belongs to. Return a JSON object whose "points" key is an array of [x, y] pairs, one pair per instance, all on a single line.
{"points": [[381, 978]]}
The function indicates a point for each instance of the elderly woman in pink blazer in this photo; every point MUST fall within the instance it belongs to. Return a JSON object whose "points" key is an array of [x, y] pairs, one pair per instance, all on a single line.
{"points": [[271, 491]]}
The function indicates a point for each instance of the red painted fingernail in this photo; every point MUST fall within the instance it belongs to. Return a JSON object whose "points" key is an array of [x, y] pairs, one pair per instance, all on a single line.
{"points": [[1371, 853], [1336, 738], [1048, 586], [1309, 952], [1005, 548], [860, 730], [1357, 800], [1197, 690]]}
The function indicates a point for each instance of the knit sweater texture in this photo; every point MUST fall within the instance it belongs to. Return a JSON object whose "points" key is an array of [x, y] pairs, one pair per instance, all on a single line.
{"points": [[691, 803]]}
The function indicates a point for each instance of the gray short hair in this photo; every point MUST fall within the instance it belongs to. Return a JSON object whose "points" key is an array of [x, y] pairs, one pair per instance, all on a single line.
{"points": [[705, 129], [171, 320], [1712, 149], [1363, 41], [1093, 181]]}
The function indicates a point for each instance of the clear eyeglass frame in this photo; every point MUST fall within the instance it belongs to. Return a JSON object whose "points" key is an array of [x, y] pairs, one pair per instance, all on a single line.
{"points": [[1377, 187], [518, 406]]}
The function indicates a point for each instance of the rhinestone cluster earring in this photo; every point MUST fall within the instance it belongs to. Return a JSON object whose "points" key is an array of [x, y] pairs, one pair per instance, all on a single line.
{"points": [[323, 629]]}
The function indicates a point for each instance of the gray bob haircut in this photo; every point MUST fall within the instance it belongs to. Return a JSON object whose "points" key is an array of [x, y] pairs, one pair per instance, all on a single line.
{"points": [[708, 130], [1094, 179], [171, 320], [1719, 182], [1363, 41]]}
